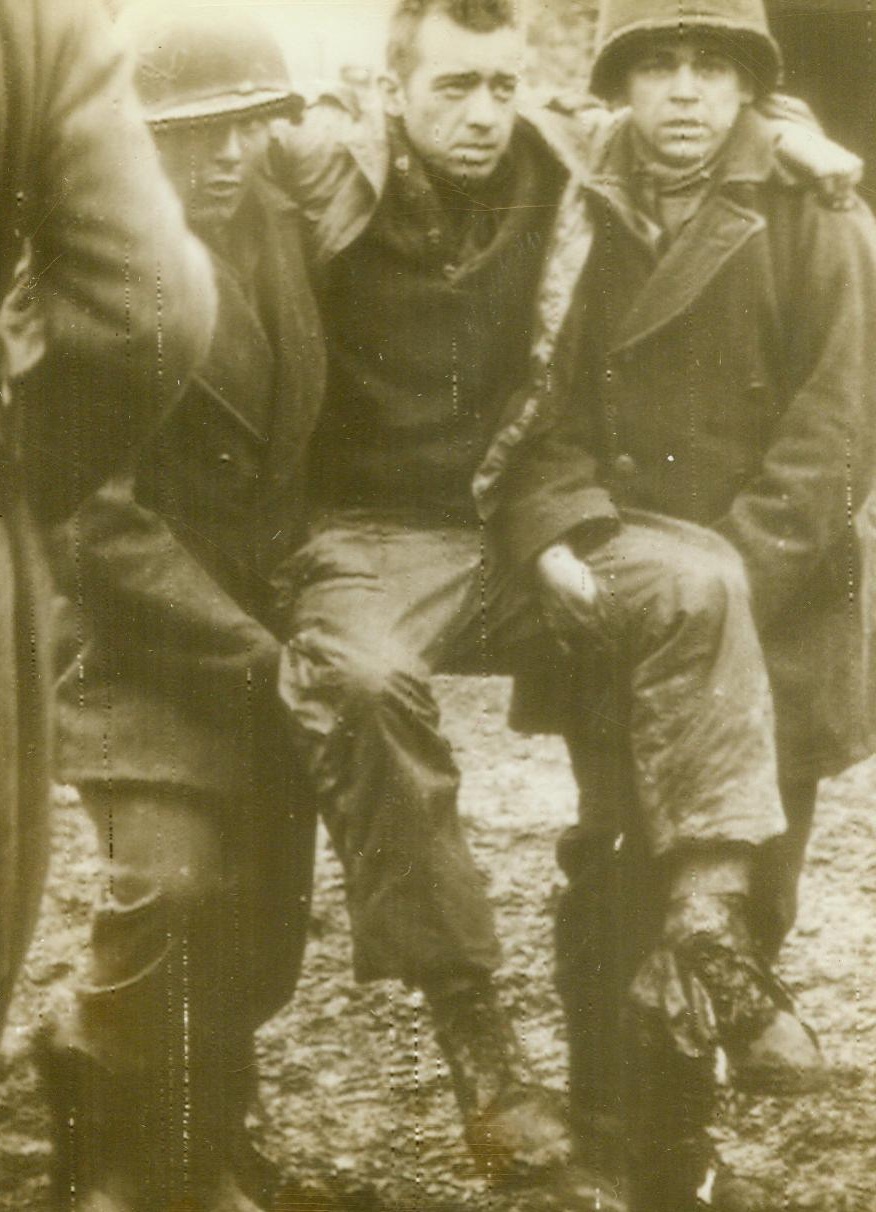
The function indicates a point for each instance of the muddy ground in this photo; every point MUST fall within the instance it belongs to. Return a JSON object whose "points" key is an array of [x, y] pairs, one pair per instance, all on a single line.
{"points": [[352, 1083]]}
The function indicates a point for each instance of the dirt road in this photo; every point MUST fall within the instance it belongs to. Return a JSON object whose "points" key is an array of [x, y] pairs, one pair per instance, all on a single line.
{"points": [[352, 1081]]}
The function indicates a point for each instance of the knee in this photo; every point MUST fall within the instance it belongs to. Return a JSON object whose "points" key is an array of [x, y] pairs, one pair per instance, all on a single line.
{"points": [[350, 678], [706, 586], [162, 849]]}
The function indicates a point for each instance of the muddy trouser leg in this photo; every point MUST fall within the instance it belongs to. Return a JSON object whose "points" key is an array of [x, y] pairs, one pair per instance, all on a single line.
{"points": [[673, 749], [187, 958], [377, 606]]}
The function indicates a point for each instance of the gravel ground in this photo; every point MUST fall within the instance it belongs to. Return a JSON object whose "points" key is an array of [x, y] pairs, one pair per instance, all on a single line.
{"points": [[352, 1083]]}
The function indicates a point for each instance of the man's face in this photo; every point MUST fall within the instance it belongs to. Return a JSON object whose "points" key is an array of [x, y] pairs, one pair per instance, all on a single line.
{"points": [[211, 165], [685, 97], [458, 102]]}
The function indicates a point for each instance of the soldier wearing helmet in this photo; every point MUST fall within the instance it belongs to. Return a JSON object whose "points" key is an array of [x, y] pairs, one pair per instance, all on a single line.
{"points": [[171, 725], [704, 485]]}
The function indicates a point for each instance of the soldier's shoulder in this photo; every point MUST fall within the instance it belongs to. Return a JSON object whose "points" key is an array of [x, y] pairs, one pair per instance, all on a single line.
{"points": [[577, 124]]}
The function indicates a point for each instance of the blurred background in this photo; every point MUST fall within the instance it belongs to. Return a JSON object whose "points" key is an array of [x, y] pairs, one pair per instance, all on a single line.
{"points": [[829, 48], [329, 39]]}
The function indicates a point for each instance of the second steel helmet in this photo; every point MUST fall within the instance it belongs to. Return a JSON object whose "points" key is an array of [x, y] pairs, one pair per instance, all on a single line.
{"points": [[198, 65], [740, 24]]}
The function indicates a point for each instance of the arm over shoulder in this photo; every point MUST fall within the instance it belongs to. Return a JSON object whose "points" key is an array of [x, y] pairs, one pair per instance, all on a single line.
{"points": [[332, 164]]}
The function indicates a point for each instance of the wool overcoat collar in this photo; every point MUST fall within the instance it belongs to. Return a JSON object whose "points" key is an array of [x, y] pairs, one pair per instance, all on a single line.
{"points": [[727, 219]]}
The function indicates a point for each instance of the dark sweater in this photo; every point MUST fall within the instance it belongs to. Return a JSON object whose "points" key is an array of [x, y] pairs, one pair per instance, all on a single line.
{"points": [[429, 317]]}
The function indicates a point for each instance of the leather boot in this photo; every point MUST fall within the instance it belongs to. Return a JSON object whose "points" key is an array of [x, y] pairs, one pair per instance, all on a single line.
{"points": [[258, 1176], [92, 1169], [707, 959], [715, 1189], [218, 1169], [119, 1146], [673, 1102], [515, 1128]]}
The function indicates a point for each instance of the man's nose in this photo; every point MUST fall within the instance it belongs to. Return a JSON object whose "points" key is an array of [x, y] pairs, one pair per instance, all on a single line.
{"points": [[685, 84], [228, 148], [482, 110]]}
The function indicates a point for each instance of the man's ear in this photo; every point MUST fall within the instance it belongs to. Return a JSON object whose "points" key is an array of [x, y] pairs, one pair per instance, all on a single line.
{"points": [[391, 94], [747, 89]]}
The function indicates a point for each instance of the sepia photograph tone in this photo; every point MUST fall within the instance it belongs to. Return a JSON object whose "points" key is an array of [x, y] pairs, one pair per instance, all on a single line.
{"points": [[437, 606]]}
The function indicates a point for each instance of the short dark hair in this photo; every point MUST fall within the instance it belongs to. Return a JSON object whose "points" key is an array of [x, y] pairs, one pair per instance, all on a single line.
{"points": [[481, 16]]}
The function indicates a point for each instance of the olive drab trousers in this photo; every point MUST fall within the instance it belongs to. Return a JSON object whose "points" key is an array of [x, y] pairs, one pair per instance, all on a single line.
{"points": [[380, 603]]}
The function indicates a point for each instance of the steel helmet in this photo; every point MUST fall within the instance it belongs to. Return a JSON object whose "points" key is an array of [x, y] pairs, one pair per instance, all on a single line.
{"points": [[739, 24], [198, 65]]}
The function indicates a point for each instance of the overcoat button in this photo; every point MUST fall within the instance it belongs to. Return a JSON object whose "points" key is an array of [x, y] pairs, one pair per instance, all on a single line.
{"points": [[625, 466]]}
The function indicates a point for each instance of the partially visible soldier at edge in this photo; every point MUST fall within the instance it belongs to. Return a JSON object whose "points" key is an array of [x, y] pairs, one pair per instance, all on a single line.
{"points": [[720, 348], [830, 62], [107, 304], [448, 230], [171, 725]]}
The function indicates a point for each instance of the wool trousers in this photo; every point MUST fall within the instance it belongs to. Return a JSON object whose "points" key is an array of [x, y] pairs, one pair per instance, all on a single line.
{"points": [[381, 603]]}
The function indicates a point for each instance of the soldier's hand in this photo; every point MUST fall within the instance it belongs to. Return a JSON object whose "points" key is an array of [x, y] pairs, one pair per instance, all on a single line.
{"points": [[834, 171], [573, 598]]}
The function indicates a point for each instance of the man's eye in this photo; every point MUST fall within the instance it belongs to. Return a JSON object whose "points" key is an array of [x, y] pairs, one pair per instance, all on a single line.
{"points": [[504, 91], [454, 92]]}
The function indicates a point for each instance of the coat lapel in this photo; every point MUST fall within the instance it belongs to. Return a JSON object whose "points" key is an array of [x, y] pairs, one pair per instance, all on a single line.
{"points": [[723, 225], [266, 368], [237, 375], [295, 332], [720, 229]]}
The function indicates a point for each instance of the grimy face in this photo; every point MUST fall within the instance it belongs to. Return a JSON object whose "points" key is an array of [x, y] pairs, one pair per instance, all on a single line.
{"points": [[458, 102], [211, 165], [684, 97]]}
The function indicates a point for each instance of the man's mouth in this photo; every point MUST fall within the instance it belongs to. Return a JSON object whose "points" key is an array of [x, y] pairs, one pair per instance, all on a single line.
{"points": [[476, 151], [684, 126], [222, 188]]}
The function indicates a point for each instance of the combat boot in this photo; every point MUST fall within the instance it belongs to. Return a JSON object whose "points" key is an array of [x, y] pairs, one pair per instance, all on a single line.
{"points": [[92, 1170], [514, 1128], [672, 1101], [257, 1175], [708, 961], [715, 1188]]}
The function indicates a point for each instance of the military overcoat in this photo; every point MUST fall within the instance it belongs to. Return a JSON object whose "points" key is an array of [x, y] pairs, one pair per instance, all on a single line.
{"points": [[107, 302], [729, 381], [169, 569]]}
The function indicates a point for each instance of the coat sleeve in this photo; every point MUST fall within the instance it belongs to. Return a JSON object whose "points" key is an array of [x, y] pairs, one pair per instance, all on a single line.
{"points": [[135, 578], [313, 162], [794, 521], [124, 291]]}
